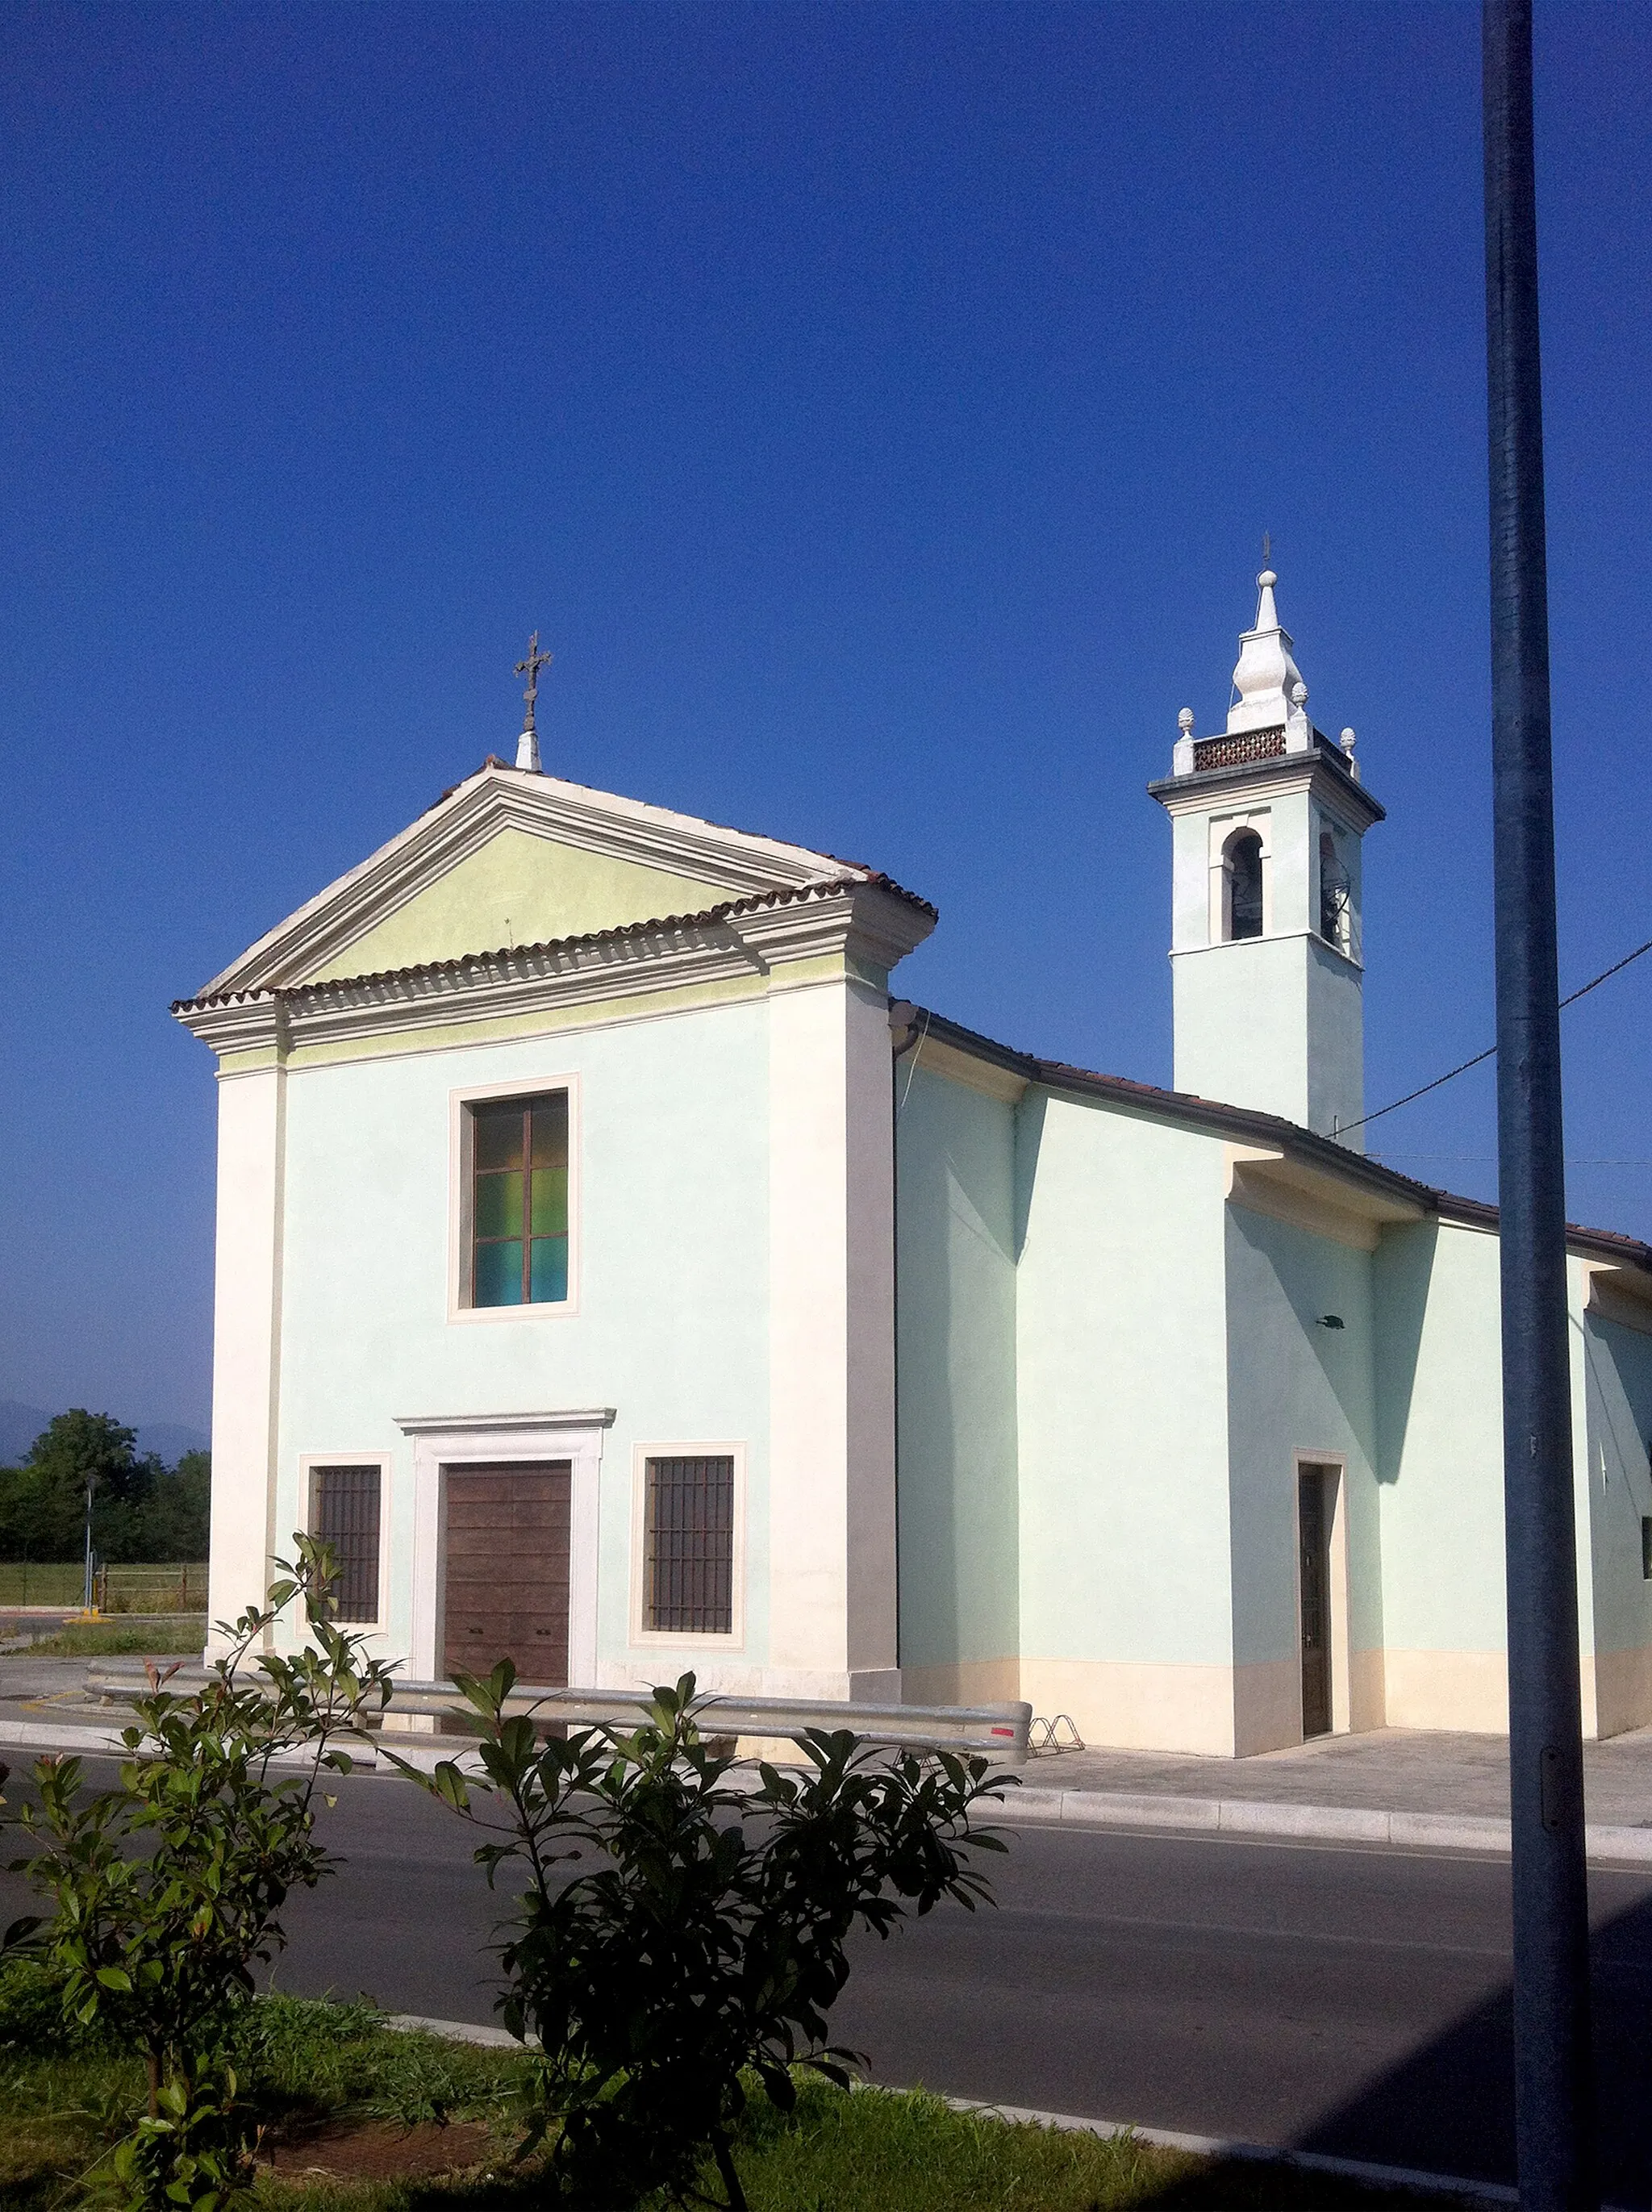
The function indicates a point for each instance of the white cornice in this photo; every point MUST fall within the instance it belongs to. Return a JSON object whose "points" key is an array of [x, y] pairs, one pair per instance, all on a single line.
{"points": [[1216, 791], [732, 861], [861, 920], [864, 919], [241, 1024], [583, 1417]]}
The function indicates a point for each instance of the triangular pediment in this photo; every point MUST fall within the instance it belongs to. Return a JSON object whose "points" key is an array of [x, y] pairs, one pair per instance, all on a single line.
{"points": [[512, 858]]}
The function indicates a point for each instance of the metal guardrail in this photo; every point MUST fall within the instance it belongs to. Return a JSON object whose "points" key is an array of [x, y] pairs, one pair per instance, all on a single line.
{"points": [[1000, 1731]]}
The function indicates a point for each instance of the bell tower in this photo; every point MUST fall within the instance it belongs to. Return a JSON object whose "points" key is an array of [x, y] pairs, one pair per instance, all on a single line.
{"points": [[1267, 944]]}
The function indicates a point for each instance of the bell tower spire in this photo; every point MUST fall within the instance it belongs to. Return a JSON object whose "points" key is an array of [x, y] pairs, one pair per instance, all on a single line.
{"points": [[1268, 941]]}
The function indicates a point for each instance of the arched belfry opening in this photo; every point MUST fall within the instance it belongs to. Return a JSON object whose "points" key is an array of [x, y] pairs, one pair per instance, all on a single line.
{"points": [[1242, 886], [1335, 894]]}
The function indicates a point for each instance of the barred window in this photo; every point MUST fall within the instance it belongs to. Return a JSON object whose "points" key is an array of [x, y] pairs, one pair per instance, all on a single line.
{"points": [[690, 1545], [345, 1513]]}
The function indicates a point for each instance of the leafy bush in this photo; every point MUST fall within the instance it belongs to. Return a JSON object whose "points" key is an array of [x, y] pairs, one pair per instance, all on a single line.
{"points": [[168, 1888], [711, 1940]]}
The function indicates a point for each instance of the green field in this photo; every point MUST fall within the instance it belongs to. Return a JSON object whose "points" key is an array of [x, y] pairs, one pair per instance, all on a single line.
{"points": [[180, 1635], [137, 1588]]}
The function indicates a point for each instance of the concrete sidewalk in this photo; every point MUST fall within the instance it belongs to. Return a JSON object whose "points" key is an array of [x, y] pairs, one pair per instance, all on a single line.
{"points": [[1390, 1769], [1399, 1786]]}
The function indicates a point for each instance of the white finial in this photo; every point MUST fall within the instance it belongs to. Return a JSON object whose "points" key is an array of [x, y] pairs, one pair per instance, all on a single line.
{"points": [[1182, 760], [1266, 672], [1299, 694], [1348, 754], [1348, 742]]}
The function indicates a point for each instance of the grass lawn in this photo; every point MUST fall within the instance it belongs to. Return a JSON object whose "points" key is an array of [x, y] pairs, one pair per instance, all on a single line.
{"points": [[183, 1636], [360, 2118]]}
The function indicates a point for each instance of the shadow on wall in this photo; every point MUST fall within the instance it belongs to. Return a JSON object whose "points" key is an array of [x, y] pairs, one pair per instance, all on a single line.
{"points": [[1400, 1274], [1029, 1141]]}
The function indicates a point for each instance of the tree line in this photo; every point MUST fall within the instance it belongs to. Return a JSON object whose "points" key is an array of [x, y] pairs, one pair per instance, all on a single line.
{"points": [[141, 1508]]}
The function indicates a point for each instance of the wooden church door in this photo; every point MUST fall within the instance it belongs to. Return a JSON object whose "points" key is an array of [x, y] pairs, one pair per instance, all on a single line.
{"points": [[505, 1588], [1314, 1585]]}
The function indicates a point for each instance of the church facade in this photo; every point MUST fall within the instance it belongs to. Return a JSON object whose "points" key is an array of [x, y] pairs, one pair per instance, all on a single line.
{"points": [[624, 1276]]}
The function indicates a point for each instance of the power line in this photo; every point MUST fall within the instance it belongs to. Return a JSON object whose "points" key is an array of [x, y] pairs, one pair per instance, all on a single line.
{"points": [[1491, 1052]]}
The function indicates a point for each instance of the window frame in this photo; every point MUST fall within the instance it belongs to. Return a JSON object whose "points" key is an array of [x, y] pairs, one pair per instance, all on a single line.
{"points": [[731, 1640], [312, 1464], [461, 1183]]}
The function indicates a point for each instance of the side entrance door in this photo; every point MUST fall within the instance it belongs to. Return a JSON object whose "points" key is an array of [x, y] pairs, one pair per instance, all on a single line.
{"points": [[1313, 1584], [505, 1591]]}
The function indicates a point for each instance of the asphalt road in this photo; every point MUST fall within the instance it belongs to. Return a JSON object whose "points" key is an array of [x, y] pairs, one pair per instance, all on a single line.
{"points": [[1348, 2000]]}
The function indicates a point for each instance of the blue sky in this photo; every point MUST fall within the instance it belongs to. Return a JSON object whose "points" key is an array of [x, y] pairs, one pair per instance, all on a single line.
{"points": [[879, 407]]}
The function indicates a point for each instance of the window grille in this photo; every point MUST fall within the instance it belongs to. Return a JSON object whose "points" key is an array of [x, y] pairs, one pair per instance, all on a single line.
{"points": [[346, 1516], [689, 1563], [518, 1201]]}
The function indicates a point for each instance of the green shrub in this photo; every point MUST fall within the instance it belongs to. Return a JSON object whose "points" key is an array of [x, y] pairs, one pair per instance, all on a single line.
{"points": [[710, 1938], [168, 1888]]}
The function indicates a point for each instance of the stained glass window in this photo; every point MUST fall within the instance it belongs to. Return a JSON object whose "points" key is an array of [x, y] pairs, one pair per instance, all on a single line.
{"points": [[518, 1201]]}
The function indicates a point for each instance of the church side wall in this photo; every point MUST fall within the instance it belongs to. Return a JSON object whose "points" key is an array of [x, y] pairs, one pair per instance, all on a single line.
{"points": [[1617, 1364], [1439, 1373], [956, 1348], [1300, 1391], [671, 1324], [1126, 1580]]}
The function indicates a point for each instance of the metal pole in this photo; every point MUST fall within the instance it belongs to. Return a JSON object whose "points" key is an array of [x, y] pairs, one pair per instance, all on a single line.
{"points": [[86, 1585], [1554, 2116]]}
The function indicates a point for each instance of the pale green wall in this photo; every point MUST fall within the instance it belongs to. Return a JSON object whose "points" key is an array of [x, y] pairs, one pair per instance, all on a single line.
{"points": [[1440, 1429], [672, 1326], [1618, 1393], [1122, 1365], [1294, 1387], [955, 1275], [1240, 1015]]}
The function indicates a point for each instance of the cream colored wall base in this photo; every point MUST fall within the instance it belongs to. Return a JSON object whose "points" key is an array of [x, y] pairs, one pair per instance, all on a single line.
{"points": [[1266, 1706], [1137, 1707], [1368, 1705], [1466, 1690], [963, 1682], [1621, 1682]]}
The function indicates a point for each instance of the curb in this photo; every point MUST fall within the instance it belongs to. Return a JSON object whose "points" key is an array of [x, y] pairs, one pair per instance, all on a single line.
{"points": [[1352, 2169], [1074, 1809], [1339, 1824]]}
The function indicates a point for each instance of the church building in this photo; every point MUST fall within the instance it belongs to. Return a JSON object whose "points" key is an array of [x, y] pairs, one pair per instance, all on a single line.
{"points": [[624, 1276]]}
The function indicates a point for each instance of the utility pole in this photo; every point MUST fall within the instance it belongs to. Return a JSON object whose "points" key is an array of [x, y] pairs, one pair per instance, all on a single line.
{"points": [[1554, 2115]]}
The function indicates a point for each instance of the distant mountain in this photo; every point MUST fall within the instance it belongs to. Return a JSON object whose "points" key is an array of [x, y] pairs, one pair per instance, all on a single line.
{"points": [[20, 1425], [170, 1440]]}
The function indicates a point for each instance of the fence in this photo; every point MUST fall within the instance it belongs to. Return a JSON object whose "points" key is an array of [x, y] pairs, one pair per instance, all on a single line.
{"points": [[137, 1588]]}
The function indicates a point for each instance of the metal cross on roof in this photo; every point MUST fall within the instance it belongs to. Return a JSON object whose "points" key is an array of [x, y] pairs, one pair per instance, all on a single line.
{"points": [[530, 668]]}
